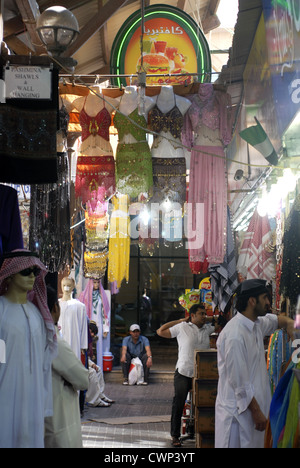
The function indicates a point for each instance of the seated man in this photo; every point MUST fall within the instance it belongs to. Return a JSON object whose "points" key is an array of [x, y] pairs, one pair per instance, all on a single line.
{"points": [[134, 346]]}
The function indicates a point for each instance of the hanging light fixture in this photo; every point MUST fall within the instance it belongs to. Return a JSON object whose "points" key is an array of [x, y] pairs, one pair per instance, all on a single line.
{"points": [[58, 28]]}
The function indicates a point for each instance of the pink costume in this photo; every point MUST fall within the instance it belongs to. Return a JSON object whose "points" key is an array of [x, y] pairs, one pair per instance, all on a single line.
{"points": [[208, 119]]}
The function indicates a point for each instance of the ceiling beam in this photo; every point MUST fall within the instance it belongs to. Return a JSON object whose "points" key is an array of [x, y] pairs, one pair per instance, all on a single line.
{"points": [[93, 26], [29, 11], [69, 4]]}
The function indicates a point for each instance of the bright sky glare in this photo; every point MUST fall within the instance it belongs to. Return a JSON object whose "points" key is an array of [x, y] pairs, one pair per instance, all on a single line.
{"points": [[227, 13]]}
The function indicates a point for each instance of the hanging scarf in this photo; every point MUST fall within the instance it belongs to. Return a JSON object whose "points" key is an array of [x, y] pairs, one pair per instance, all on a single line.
{"points": [[86, 297], [20, 260]]}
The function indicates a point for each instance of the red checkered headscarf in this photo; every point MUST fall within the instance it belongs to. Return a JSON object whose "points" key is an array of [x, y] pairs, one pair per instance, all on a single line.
{"points": [[13, 263]]}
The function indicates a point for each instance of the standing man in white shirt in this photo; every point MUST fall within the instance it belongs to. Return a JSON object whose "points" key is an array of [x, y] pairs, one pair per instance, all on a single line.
{"points": [[192, 334], [244, 394]]}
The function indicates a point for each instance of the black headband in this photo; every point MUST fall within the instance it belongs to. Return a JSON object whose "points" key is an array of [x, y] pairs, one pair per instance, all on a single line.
{"points": [[8, 255]]}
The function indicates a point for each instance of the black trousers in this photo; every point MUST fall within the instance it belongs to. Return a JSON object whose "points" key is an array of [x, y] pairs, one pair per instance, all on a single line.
{"points": [[182, 386], [126, 366]]}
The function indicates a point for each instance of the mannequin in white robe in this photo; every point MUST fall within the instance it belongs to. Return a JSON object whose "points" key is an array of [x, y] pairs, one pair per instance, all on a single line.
{"points": [[25, 369], [73, 319]]}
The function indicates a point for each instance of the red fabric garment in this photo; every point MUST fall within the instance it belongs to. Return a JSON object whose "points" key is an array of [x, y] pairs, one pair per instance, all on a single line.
{"points": [[38, 296], [93, 126], [254, 259], [92, 174]]}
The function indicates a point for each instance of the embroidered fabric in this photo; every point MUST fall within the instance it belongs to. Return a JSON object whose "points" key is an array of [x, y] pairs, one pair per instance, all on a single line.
{"points": [[92, 174], [169, 180], [134, 169], [28, 145], [209, 108], [171, 121], [93, 126], [125, 127]]}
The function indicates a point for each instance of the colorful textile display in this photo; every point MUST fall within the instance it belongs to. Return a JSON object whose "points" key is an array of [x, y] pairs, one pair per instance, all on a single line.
{"points": [[94, 173], [279, 353], [207, 130], [254, 259], [119, 242], [284, 410]]}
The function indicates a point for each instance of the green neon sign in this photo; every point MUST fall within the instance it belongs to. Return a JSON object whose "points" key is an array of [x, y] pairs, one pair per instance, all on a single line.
{"points": [[162, 14]]}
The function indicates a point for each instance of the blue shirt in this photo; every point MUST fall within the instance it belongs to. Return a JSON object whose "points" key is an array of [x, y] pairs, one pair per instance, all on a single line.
{"points": [[138, 349]]}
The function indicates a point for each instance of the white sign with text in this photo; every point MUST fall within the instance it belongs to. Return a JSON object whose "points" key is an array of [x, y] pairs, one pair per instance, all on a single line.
{"points": [[28, 82]]}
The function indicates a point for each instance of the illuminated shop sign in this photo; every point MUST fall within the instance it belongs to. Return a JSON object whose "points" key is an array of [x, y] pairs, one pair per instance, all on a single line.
{"points": [[173, 44]]}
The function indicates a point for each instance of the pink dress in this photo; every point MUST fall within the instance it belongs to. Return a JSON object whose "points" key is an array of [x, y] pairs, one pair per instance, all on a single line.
{"points": [[209, 118]]}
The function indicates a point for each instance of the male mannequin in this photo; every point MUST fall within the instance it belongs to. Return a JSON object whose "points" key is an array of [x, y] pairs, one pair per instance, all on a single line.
{"points": [[28, 334], [73, 318], [165, 102]]}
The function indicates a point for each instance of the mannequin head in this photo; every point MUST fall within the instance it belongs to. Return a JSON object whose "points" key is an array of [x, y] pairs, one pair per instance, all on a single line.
{"points": [[68, 284], [18, 275], [95, 285]]}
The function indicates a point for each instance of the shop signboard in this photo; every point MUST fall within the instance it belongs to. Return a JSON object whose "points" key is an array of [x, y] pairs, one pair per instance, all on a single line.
{"points": [[282, 23], [172, 44], [28, 82]]}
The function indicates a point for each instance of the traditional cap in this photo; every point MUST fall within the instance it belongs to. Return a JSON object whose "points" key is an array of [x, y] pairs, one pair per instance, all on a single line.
{"points": [[253, 287], [134, 327]]}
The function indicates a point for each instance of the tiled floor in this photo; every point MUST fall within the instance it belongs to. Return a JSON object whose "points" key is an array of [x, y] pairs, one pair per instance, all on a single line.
{"points": [[153, 400]]}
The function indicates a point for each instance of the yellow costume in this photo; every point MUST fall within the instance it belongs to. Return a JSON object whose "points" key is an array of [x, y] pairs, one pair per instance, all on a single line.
{"points": [[119, 242]]}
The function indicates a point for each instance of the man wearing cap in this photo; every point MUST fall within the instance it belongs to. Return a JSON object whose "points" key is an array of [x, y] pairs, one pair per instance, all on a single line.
{"points": [[134, 346], [244, 394]]}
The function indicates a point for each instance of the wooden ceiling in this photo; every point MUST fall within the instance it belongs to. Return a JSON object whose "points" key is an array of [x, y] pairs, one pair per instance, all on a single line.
{"points": [[99, 22]]}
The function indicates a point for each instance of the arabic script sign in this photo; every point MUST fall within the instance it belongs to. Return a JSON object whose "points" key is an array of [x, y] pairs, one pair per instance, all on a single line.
{"points": [[173, 45]]}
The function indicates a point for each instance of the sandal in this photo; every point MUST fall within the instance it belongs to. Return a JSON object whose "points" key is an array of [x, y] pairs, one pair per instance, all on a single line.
{"points": [[176, 442]]}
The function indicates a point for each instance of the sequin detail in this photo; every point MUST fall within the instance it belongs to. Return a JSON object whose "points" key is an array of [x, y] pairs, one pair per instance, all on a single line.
{"points": [[172, 121]]}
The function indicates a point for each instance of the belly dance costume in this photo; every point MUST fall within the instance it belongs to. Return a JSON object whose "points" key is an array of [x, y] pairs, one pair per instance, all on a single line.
{"points": [[119, 242], [133, 161], [95, 183], [169, 174], [94, 172]]}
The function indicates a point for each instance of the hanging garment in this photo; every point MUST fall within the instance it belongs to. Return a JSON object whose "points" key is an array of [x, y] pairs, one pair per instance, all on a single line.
{"points": [[11, 237], [92, 126], [50, 219], [284, 410], [94, 173], [169, 179], [133, 161], [224, 277], [119, 242], [290, 280], [254, 259], [211, 109], [171, 121], [208, 187], [28, 139]]}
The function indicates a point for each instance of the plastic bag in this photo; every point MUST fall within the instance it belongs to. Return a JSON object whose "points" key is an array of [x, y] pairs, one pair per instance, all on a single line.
{"points": [[136, 372]]}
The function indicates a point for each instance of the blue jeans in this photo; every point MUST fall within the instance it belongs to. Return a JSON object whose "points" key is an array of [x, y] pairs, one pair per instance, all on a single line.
{"points": [[182, 386]]}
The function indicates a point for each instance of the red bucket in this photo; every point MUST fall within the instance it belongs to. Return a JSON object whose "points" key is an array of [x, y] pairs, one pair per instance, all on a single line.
{"points": [[107, 362]]}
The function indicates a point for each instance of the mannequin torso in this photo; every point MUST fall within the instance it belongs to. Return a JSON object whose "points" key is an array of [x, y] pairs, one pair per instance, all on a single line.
{"points": [[170, 106], [128, 104], [92, 106]]}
